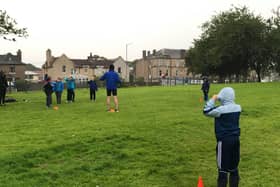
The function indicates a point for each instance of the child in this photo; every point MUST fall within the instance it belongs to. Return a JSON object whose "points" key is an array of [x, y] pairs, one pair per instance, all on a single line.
{"points": [[227, 134], [58, 88], [205, 88], [112, 78], [48, 89], [70, 89], [93, 88]]}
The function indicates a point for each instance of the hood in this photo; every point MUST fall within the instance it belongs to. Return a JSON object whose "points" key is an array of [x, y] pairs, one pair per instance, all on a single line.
{"points": [[226, 96]]}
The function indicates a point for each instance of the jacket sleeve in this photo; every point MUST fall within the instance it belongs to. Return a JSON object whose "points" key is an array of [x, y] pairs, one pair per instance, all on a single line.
{"points": [[102, 78], [211, 110]]}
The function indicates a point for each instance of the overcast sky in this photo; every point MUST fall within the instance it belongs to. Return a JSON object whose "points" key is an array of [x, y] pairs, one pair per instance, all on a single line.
{"points": [[104, 27]]}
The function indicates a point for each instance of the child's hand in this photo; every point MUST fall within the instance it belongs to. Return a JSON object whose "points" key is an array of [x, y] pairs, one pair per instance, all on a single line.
{"points": [[215, 97]]}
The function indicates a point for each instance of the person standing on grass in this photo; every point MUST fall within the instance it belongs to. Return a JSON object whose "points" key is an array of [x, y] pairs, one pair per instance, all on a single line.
{"points": [[3, 87], [92, 88], [58, 88], [112, 79], [70, 89], [205, 88], [48, 89], [227, 134]]}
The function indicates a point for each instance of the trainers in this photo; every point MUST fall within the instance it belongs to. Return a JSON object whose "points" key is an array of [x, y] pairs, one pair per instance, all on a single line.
{"points": [[116, 110]]}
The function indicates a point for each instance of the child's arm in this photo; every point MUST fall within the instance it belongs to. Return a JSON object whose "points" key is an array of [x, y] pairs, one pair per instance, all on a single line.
{"points": [[210, 109]]}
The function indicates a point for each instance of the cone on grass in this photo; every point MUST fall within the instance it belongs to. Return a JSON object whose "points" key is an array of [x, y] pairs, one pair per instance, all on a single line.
{"points": [[200, 100], [200, 182]]}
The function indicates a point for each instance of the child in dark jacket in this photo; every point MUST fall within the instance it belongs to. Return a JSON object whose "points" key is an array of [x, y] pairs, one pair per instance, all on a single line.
{"points": [[227, 134], [205, 88], [48, 89], [92, 88]]}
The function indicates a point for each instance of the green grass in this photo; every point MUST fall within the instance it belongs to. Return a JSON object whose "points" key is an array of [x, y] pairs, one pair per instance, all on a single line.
{"points": [[159, 138]]}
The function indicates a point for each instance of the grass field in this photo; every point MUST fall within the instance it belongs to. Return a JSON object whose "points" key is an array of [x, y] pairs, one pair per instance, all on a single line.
{"points": [[159, 138]]}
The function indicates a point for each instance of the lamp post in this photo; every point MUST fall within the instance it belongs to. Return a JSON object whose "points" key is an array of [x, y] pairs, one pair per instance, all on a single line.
{"points": [[126, 46]]}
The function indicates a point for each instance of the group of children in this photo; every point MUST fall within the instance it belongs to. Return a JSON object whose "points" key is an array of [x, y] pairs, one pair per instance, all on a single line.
{"points": [[57, 87], [112, 80]]}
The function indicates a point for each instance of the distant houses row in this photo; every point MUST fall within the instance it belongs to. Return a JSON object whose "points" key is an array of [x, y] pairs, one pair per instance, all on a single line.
{"points": [[153, 66]]}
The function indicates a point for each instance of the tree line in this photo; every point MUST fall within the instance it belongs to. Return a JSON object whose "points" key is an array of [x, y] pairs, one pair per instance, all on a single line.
{"points": [[236, 42]]}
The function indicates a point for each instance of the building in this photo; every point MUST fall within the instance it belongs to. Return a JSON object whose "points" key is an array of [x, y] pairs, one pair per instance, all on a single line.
{"points": [[33, 74], [165, 63], [82, 69], [12, 66]]}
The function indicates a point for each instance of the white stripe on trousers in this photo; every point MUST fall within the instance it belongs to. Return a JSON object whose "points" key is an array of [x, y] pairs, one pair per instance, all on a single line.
{"points": [[219, 155]]}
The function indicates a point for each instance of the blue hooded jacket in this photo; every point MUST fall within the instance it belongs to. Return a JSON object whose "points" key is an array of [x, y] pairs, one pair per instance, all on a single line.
{"points": [[92, 85], [59, 86], [226, 115], [70, 84], [112, 79]]}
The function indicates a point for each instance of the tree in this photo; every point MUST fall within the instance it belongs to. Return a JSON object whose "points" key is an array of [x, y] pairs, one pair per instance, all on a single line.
{"points": [[9, 29], [274, 39], [236, 41]]}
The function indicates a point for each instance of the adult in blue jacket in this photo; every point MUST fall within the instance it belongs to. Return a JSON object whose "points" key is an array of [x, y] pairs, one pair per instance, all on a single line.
{"points": [[227, 134], [112, 79]]}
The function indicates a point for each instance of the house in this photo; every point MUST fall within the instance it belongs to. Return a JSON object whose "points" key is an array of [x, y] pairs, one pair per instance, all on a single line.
{"points": [[82, 69], [165, 63], [33, 74], [12, 66]]}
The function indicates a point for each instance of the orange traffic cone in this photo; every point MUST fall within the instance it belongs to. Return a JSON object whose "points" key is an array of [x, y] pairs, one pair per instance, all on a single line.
{"points": [[200, 182], [200, 100]]}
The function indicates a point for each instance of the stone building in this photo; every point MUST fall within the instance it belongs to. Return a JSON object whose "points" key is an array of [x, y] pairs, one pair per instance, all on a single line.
{"points": [[82, 69], [165, 63], [12, 66]]}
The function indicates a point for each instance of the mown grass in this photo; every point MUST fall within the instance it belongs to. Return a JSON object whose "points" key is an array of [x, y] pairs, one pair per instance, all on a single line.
{"points": [[159, 138]]}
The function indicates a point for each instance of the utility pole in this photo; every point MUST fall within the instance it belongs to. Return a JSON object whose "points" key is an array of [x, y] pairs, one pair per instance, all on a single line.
{"points": [[126, 46]]}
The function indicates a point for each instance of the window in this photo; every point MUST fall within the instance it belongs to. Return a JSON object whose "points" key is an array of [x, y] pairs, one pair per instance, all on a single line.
{"points": [[119, 70], [12, 69], [64, 69], [86, 70], [166, 72], [160, 72]]}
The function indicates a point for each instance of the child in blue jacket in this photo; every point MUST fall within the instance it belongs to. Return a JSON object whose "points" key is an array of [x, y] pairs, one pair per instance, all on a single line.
{"points": [[93, 88], [227, 134], [58, 89], [71, 85]]}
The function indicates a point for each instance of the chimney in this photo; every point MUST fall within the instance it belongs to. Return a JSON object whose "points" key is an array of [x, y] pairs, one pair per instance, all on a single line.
{"points": [[48, 57], [144, 54], [19, 55], [154, 52], [90, 57], [183, 53]]}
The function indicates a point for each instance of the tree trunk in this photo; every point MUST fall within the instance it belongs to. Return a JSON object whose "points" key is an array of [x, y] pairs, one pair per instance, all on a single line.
{"points": [[259, 76]]}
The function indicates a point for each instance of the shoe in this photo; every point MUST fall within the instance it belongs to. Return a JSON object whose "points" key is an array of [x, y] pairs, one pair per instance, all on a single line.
{"points": [[116, 110]]}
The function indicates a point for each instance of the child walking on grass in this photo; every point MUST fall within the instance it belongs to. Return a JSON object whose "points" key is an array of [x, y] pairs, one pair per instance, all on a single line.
{"points": [[48, 89], [227, 135]]}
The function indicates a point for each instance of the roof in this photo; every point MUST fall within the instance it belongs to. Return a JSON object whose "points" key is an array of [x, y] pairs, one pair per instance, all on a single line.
{"points": [[10, 59], [31, 67], [172, 53]]}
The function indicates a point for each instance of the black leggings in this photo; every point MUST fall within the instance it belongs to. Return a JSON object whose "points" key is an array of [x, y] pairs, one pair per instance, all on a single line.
{"points": [[2, 95]]}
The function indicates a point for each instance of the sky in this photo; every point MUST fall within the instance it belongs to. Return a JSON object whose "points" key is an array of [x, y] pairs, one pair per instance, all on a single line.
{"points": [[107, 27]]}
